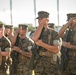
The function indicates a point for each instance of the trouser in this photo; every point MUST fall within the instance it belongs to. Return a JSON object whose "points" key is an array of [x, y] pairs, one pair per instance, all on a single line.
{"points": [[43, 66], [65, 73], [4, 72], [44, 74], [22, 68]]}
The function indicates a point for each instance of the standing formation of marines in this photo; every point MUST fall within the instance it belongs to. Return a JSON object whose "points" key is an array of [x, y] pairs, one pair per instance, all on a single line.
{"points": [[56, 54]]}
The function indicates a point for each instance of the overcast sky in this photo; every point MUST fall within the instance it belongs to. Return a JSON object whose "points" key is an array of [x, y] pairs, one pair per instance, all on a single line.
{"points": [[23, 10]]}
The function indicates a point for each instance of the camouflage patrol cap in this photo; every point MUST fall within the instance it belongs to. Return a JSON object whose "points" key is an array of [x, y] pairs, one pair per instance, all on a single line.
{"points": [[51, 25], [1, 25], [70, 15], [23, 26], [9, 26], [6, 26], [43, 14]]}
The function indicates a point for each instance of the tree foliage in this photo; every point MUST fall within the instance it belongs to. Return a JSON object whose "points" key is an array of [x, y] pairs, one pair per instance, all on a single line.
{"points": [[30, 28], [2, 22]]}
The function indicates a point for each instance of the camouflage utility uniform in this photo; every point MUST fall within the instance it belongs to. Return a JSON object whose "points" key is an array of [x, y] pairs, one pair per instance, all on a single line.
{"points": [[48, 62], [24, 44], [5, 46], [71, 62]]}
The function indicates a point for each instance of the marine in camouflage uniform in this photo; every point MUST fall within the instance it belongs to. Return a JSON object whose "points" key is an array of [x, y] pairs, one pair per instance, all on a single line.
{"points": [[9, 31], [70, 68], [24, 46], [5, 47], [49, 54], [51, 25]]}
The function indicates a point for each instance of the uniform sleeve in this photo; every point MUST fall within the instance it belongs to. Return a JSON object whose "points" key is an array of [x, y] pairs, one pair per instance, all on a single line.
{"points": [[56, 39], [29, 47], [30, 44]]}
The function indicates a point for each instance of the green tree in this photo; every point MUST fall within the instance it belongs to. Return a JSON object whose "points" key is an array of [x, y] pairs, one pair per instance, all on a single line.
{"points": [[2, 22], [30, 28]]}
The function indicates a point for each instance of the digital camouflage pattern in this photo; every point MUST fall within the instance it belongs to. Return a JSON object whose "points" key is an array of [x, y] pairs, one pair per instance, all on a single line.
{"points": [[42, 14], [71, 62], [5, 46], [25, 45], [48, 62], [70, 15]]}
